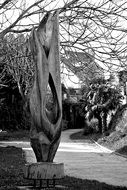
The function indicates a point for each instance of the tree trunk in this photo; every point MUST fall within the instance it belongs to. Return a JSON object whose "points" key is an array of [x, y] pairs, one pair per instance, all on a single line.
{"points": [[99, 123], [46, 125], [104, 122]]}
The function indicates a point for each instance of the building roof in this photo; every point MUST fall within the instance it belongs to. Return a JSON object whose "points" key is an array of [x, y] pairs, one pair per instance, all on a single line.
{"points": [[82, 65]]}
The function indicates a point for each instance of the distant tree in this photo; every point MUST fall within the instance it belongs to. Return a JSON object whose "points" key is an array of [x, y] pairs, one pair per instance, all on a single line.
{"points": [[19, 62], [101, 99], [84, 90], [122, 75], [71, 91], [16, 73], [111, 78]]}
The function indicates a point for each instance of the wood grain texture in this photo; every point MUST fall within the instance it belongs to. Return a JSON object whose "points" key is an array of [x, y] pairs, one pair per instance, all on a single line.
{"points": [[44, 170], [46, 125]]}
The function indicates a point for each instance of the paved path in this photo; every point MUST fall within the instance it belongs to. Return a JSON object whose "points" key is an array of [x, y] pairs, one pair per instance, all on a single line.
{"points": [[84, 160]]}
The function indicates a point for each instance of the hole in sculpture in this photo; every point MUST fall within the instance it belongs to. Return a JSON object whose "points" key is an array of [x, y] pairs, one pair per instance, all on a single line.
{"points": [[52, 105]]}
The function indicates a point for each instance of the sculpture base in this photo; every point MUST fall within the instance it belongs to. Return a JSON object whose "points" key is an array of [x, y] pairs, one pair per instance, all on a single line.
{"points": [[44, 175], [44, 170]]}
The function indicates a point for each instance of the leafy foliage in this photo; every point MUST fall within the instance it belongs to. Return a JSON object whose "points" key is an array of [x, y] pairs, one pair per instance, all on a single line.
{"points": [[101, 99]]}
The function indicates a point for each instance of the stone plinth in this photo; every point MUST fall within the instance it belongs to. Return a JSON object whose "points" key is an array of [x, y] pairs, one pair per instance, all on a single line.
{"points": [[44, 170]]}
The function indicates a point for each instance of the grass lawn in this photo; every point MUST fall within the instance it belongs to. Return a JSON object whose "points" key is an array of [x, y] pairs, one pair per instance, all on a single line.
{"points": [[12, 162], [16, 135]]}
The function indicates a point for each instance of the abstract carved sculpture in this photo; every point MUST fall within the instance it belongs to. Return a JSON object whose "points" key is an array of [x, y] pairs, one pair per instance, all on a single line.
{"points": [[46, 125]]}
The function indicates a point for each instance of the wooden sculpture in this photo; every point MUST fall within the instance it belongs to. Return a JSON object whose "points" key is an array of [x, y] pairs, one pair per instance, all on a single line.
{"points": [[46, 125]]}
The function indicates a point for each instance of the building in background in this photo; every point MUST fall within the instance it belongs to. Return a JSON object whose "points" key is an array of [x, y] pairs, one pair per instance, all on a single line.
{"points": [[79, 68]]}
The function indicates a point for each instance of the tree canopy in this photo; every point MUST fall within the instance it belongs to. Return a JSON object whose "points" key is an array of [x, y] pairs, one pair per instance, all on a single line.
{"points": [[102, 98], [94, 27]]}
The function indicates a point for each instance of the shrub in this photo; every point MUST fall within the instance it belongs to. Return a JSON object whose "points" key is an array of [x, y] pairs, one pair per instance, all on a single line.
{"points": [[90, 127], [94, 124]]}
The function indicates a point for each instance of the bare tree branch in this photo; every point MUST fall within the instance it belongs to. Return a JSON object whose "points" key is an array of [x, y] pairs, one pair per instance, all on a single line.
{"points": [[91, 27]]}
